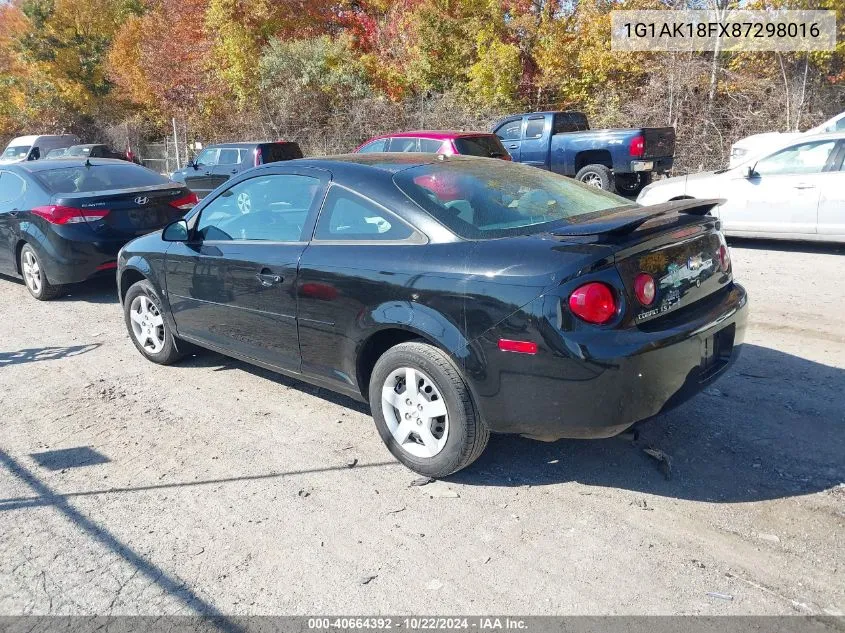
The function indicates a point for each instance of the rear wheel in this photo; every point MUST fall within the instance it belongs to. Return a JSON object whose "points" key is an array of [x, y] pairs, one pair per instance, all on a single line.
{"points": [[423, 410], [632, 184], [597, 176], [147, 326], [35, 278]]}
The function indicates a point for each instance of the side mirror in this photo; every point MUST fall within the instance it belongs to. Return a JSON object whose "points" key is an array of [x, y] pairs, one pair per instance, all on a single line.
{"points": [[749, 171], [176, 232], [193, 164]]}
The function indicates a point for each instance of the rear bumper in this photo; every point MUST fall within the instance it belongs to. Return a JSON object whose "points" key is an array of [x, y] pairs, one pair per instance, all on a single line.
{"points": [[69, 257], [595, 387], [658, 165]]}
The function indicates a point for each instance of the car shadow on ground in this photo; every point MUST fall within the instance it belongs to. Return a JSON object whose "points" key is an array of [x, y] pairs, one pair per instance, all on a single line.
{"points": [[98, 290], [773, 427], [787, 246], [36, 354]]}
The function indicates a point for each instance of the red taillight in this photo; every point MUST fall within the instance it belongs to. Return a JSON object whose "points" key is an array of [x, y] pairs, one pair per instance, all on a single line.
{"points": [[593, 302], [644, 288], [637, 147], [185, 202], [257, 160], [724, 258], [107, 266], [58, 214], [520, 347]]}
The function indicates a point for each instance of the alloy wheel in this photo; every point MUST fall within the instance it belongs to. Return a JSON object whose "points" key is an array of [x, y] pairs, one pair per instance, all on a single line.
{"points": [[415, 412], [592, 179], [147, 324], [31, 271]]}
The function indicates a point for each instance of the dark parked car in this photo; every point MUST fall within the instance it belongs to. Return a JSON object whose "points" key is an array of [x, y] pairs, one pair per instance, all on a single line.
{"points": [[459, 296], [217, 163], [620, 160], [92, 150], [437, 142], [63, 221]]}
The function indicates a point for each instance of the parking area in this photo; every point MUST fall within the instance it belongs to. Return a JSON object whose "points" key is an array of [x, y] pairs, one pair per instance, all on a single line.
{"points": [[215, 487]]}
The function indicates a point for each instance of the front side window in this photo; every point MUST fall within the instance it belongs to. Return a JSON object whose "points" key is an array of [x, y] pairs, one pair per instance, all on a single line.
{"points": [[807, 158], [403, 144], [490, 199], [207, 157], [430, 145], [348, 216], [534, 128], [11, 186], [375, 146], [270, 208], [510, 131]]}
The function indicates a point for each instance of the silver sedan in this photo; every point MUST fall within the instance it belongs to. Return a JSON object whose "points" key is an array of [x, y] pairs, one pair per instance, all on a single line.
{"points": [[795, 191]]}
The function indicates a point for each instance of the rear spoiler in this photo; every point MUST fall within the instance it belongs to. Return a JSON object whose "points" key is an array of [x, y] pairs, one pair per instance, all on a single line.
{"points": [[628, 220]]}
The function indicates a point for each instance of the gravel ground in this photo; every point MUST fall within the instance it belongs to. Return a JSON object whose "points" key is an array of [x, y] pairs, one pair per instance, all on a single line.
{"points": [[212, 486]]}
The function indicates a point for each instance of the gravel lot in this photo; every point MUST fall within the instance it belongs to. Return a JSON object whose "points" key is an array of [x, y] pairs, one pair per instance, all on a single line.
{"points": [[220, 488]]}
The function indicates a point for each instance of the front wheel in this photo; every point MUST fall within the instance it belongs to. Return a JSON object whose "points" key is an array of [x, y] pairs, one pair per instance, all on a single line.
{"points": [[148, 329], [597, 176], [35, 278], [423, 410]]}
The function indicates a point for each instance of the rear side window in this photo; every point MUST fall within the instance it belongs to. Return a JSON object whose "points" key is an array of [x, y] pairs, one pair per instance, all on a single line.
{"points": [[275, 152], [348, 216], [11, 186], [570, 122], [510, 131], [534, 128], [403, 144], [84, 179], [487, 146]]}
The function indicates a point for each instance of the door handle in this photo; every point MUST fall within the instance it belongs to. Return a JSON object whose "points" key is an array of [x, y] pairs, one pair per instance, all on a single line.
{"points": [[804, 186], [513, 146], [268, 279]]}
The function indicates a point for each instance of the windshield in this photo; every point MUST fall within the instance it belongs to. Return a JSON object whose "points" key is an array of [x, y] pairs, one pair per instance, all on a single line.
{"points": [[84, 179], [482, 199], [19, 152]]}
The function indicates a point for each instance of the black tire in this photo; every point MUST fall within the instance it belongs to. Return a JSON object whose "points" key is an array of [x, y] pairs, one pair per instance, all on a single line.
{"points": [[598, 176], [42, 289], [467, 434], [632, 184], [169, 352]]}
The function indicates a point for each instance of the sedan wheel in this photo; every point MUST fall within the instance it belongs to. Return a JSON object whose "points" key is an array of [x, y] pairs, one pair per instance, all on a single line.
{"points": [[147, 324], [35, 278], [415, 412], [423, 410]]}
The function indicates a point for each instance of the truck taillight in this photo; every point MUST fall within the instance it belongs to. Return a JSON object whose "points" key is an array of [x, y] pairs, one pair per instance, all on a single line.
{"points": [[637, 147]]}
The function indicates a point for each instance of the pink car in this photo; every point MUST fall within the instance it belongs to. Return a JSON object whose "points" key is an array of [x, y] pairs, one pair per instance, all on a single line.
{"points": [[438, 142]]}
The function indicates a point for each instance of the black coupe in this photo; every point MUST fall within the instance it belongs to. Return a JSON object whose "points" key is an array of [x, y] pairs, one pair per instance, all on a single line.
{"points": [[458, 296]]}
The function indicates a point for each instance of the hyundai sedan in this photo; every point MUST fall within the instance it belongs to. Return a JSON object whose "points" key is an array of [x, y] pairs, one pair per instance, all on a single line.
{"points": [[458, 296]]}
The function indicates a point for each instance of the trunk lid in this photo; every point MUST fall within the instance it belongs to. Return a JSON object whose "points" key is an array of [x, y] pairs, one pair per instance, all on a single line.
{"points": [[677, 243], [131, 212], [659, 142]]}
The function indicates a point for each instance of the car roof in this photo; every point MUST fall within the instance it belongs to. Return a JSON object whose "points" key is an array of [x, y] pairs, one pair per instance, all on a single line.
{"points": [[386, 162], [435, 135], [246, 144], [86, 145], [36, 166]]}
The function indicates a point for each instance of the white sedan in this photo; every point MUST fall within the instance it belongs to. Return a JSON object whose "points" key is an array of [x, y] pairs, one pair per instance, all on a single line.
{"points": [[794, 192], [752, 146]]}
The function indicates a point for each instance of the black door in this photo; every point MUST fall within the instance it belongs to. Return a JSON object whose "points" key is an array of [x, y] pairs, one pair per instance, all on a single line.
{"points": [[233, 285], [200, 178], [12, 189]]}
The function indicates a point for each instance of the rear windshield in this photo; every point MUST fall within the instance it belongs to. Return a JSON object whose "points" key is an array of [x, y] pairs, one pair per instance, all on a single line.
{"points": [[483, 199], [84, 179], [274, 152], [484, 146], [17, 152], [79, 151]]}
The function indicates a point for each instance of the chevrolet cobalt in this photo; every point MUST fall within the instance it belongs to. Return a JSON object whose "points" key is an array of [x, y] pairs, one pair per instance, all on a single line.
{"points": [[458, 296]]}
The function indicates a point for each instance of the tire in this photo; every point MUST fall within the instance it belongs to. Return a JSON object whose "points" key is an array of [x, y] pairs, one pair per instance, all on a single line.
{"points": [[632, 184], [463, 435], [597, 176], [35, 278], [143, 314]]}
